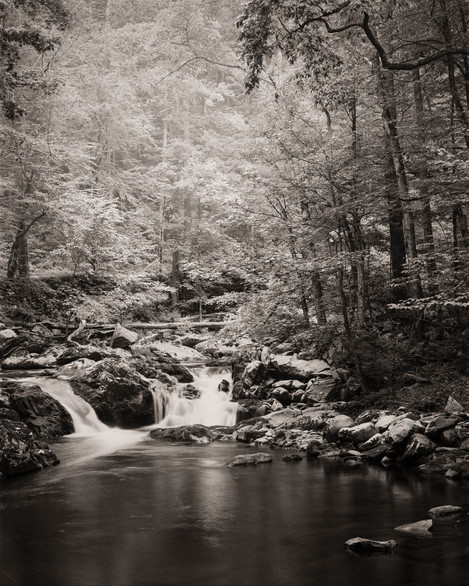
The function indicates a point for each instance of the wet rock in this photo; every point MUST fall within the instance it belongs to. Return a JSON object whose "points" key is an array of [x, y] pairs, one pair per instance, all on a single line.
{"points": [[20, 453], [361, 544], [250, 460], [117, 392], [439, 463], [459, 469], [224, 386], [445, 511], [418, 446], [291, 458], [376, 454], [418, 529], [198, 434], [247, 409], [244, 434], [122, 337], [375, 440], [43, 414], [334, 425], [358, 433]]}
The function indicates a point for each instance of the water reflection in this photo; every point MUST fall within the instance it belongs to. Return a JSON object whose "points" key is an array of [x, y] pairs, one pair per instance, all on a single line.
{"points": [[176, 515]]}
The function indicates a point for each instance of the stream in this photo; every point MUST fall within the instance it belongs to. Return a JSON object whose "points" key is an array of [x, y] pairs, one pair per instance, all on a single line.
{"points": [[123, 510]]}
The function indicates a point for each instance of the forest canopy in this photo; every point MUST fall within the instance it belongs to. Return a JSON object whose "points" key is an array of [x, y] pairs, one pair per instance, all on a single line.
{"points": [[299, 162]]}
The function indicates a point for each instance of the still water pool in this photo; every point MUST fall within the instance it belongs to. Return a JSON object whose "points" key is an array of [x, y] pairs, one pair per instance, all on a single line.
{"points": [[156, 514]]}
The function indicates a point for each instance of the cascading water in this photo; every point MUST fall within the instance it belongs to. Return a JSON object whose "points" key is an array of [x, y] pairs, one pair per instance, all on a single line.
{"points": [[85, 420], [211, 407]]}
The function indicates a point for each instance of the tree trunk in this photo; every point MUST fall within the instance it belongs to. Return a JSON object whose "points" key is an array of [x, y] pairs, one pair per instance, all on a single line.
{"points": [[426, 212], [175, 276], [396, 169]]}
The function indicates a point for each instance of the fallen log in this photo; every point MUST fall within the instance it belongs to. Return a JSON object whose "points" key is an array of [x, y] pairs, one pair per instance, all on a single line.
{"points": [[211, 325]]}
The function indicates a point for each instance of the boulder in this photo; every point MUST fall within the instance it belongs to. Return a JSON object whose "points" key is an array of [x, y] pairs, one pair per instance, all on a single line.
{"points": [[376, 454], [402, 429], [303, 370], [250, 460], [418, 446], [244, 433], [198, 434], [334, 425], [117, 392], [367, 416], [20, 452], [370, 545], [357, 434], [122, 337], [43, 414]]}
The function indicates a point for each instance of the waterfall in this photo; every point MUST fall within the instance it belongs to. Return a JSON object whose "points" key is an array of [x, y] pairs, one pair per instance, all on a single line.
{"points": [[161, 396], [210, 407], [85, 420]]}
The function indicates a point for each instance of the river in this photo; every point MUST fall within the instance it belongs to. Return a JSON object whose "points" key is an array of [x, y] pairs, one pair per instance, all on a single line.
{"points": [[124, 510]]}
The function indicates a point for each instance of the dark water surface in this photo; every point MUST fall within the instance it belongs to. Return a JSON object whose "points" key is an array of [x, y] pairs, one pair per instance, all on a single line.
{"points": [[176, 515]]}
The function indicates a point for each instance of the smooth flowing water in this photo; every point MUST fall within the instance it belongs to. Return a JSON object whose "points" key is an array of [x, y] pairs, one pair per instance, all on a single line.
{"points": [[176, 515]]}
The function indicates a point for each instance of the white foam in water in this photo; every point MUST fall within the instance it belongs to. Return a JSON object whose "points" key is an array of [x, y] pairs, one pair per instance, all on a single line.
{"points": [[213, 407]]}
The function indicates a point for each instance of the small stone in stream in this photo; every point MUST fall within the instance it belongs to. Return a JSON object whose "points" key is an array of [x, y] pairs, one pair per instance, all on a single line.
{"points": [[419, 528], [291, 458], [453, 406], [250, 460], [199, 434], [386, 461], [352, 463], [444, 511], [361, 544]]}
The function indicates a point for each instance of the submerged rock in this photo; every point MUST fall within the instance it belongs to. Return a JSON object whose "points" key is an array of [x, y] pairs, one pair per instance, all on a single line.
{"points": [[445, 511], [361, 544], [419, 528], [250, 459], [196, 434], [291, 458]]}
